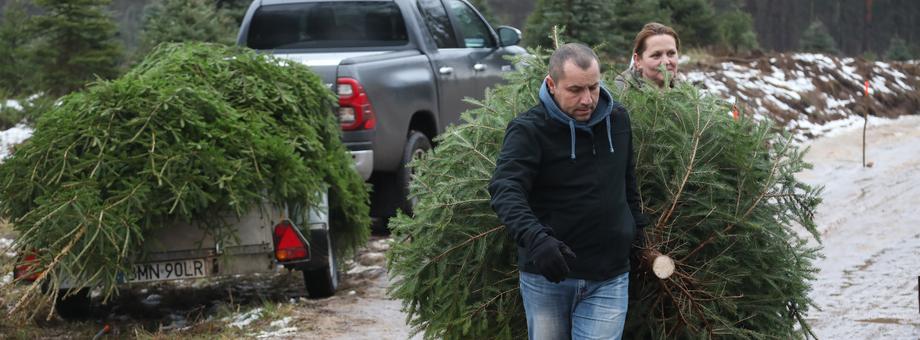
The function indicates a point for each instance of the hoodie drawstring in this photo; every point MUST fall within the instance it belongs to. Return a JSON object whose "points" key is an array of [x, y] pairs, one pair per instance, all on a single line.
{"points": [[572, 133], [609, 137], [609, 132]]}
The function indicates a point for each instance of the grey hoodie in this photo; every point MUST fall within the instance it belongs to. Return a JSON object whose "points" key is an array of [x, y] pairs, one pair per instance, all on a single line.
{"points": [[605, 105]]}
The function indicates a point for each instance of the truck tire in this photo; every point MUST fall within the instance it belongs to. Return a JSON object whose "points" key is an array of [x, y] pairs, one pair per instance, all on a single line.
{"points": [[77, 306], [323, 281], [416, 146]]}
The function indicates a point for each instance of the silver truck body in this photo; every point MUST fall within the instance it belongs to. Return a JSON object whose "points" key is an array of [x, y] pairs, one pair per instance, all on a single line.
{"points": [[416, 81]]}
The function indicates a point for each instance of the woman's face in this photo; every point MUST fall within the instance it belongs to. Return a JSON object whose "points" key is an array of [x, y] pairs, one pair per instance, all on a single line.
{"points": [[659, 49]]}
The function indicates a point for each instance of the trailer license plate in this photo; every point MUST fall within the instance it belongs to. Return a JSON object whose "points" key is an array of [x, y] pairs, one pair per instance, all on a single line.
{"points": [[169, 270]]}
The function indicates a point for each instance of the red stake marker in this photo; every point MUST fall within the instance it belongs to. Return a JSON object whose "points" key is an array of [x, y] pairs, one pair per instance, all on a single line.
{"points": [[867, 88]]}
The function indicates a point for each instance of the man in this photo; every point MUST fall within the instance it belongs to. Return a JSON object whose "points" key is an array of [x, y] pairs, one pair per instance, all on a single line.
{"points": [[565, 188]]}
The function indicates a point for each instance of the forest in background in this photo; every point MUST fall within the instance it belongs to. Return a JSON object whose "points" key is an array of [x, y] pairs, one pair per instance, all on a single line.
{"points": [[779, 24], [54, 47]]}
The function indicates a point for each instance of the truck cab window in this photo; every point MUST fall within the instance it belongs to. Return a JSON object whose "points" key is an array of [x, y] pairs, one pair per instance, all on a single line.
{"points": [[476, 33], [438, 23], [327, 24]]}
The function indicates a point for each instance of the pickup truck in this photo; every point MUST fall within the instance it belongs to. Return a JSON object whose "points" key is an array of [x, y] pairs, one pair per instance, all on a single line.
{"points": [[400, 69]]}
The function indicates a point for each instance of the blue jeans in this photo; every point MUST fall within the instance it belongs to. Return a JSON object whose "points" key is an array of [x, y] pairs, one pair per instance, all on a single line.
{"points": [[575, 309]]}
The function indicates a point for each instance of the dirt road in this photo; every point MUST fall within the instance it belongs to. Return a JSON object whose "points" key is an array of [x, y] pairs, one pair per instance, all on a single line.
{"points": [[867, 287], [361, 309], [868, 284]]}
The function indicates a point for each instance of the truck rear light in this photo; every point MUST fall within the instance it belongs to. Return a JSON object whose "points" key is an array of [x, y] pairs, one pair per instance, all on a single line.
{"points": [[290, 244], [27, 269], [355, 110]]}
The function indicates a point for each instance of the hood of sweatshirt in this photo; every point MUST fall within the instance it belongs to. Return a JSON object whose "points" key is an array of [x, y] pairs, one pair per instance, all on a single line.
{"points": [[605, 105]]}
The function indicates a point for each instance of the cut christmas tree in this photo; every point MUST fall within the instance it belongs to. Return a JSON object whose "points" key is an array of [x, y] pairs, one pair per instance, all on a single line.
{"points": [[725, 206], [193, 134]]}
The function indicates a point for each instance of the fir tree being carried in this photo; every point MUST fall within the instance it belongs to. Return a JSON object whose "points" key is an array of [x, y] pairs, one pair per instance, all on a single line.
{"points": [[721, 193]]}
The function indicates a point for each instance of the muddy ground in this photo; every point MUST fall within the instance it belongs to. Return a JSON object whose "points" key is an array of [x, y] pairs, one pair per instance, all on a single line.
{"points": [[264, 307]]}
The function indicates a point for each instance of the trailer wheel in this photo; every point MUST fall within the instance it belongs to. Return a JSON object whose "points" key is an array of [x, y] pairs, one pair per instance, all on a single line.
{"points": [[323, 282]]}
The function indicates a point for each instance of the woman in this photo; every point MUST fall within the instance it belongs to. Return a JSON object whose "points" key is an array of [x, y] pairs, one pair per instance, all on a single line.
{"points": [[655, 45]]}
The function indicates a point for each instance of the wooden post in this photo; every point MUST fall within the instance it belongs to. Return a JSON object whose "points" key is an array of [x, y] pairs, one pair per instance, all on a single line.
{"points": [[865, 124]]}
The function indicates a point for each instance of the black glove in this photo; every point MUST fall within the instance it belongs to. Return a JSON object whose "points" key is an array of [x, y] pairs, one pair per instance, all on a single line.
{"points": [[549, 254]]}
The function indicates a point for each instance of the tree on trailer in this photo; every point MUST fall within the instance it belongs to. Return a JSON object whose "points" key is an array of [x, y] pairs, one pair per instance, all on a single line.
{"points": [[202, 155]]}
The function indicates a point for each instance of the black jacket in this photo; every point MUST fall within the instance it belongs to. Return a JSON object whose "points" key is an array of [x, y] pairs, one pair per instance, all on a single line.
{"points": [[591, 202]]}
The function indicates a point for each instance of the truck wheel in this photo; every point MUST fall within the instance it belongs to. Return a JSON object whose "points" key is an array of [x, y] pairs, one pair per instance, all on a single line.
{"points": [[416, 146], [77, 306], [322, 282]]}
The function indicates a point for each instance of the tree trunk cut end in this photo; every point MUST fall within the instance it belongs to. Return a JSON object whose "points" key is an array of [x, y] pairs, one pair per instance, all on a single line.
{"points": [[661, 265]]}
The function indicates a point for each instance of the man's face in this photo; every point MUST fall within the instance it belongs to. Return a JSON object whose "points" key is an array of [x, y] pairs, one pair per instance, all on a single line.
{"points": [[577, 90], [659, 49]]}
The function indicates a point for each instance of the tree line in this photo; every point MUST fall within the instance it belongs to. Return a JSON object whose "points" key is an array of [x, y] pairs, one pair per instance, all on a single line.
{"points": [[57, 46], [873, 29], [54, 47]]}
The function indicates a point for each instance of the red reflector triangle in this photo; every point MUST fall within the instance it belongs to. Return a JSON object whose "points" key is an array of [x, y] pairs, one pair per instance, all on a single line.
{"points": [[288, 244]]}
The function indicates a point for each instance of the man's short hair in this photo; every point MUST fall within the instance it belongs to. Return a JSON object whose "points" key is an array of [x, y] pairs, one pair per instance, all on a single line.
{"points": [[581, 55]]}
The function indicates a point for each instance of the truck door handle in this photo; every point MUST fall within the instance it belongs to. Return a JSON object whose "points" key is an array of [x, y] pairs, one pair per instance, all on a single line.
{"points": [[479, 67], [446, 70]]}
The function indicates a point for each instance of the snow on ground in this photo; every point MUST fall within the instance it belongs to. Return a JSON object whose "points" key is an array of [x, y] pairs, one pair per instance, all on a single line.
{"points": [[278, 329], [244, 319], [11, 137], [799, 89], [834, 127], [14, 104], [867, 286]]}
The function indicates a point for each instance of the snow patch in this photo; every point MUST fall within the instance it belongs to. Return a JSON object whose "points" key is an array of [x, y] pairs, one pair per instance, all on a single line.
{"points": [[287, 331], [278, 329], [6, 246], [833, 128], [280, 323], [833, 103], [361, 269], [13, 104], [243, 320], [11, 137], [879, 84]]}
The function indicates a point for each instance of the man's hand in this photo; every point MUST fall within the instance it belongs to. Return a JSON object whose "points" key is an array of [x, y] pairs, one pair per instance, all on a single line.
{"points": [[549, 255]]}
